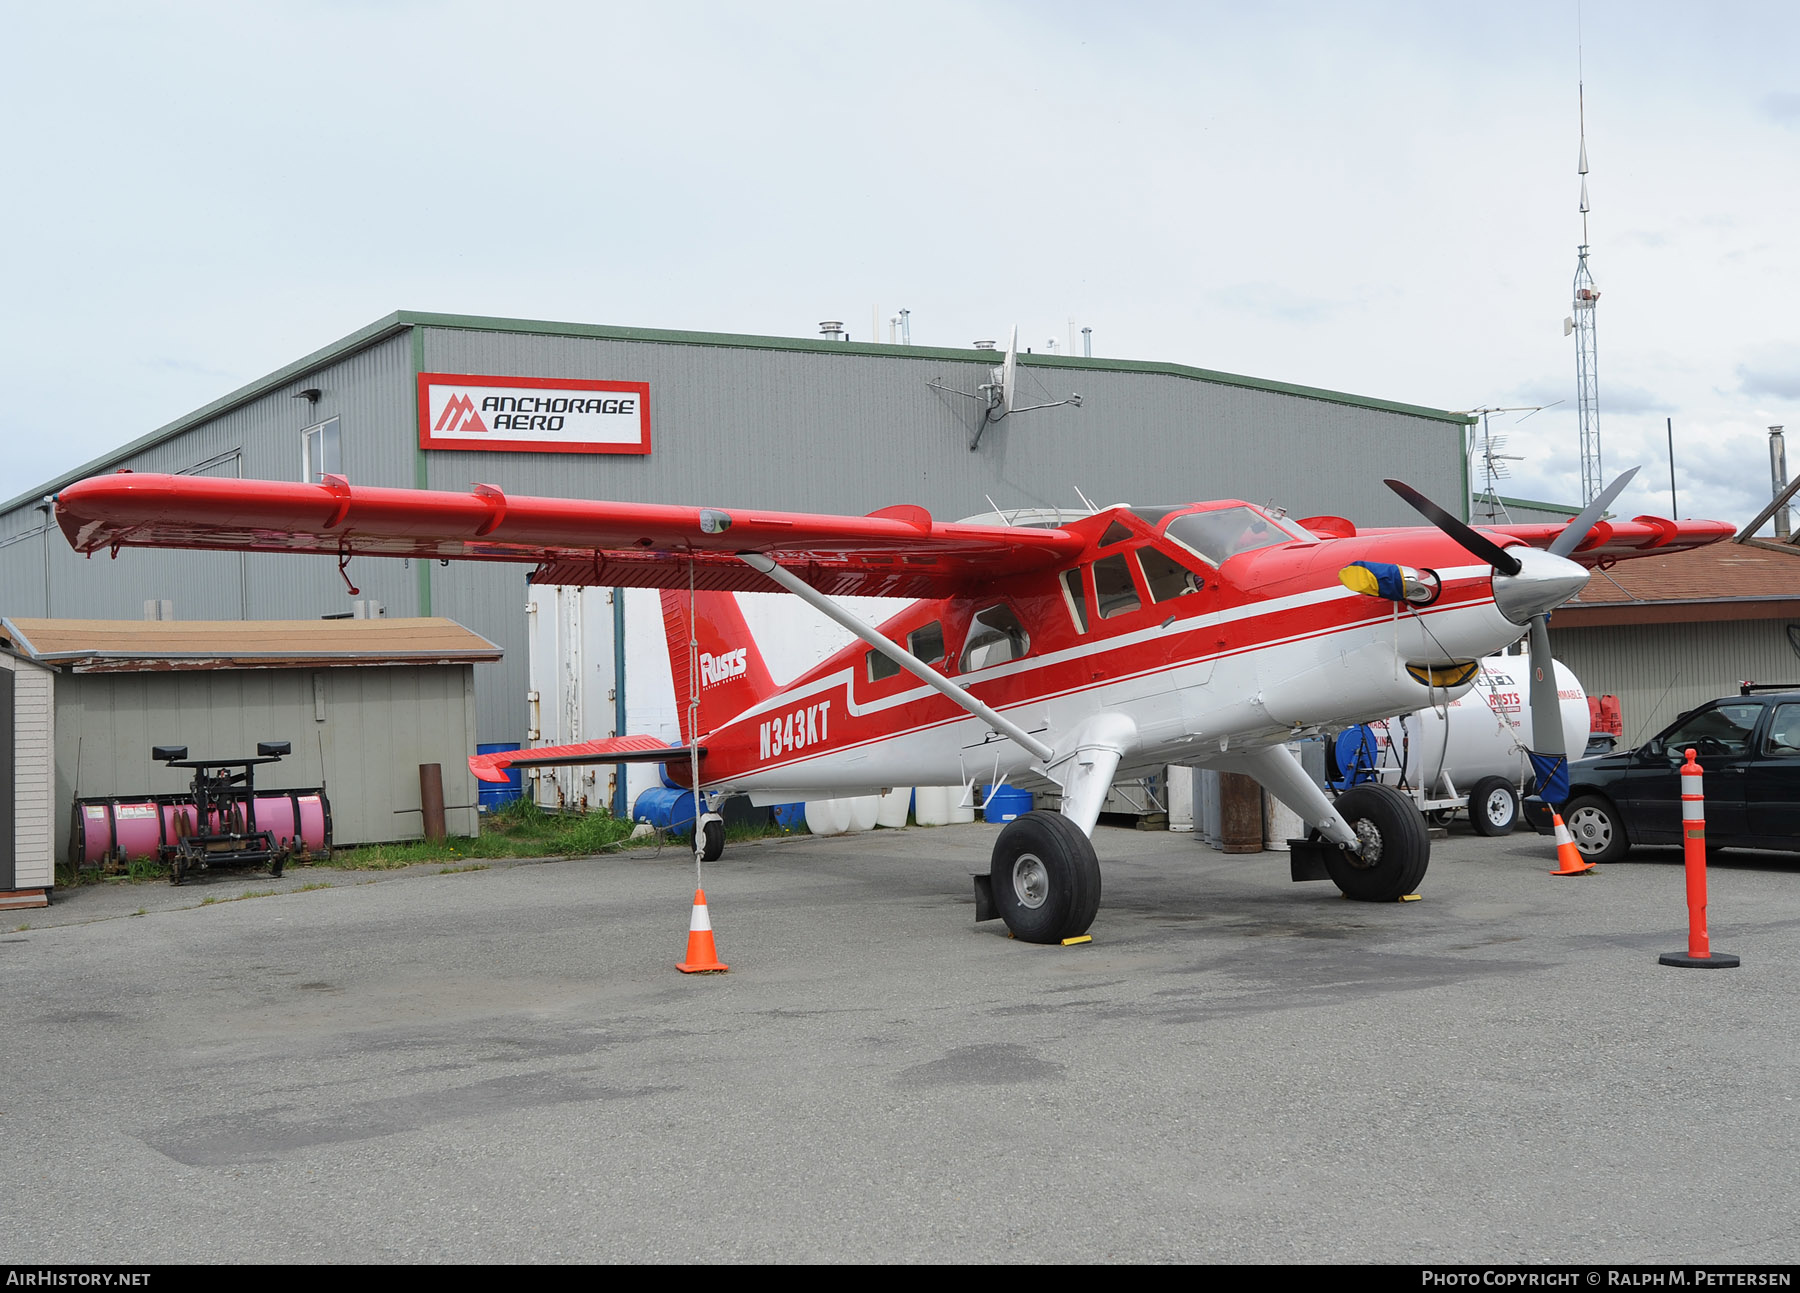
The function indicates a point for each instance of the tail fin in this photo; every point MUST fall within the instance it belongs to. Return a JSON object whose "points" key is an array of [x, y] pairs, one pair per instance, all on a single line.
{"points": [[725, 662]]}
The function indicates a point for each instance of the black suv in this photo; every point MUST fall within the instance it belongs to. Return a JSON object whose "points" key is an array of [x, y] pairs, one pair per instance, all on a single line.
{"points": [[1748, 747]]}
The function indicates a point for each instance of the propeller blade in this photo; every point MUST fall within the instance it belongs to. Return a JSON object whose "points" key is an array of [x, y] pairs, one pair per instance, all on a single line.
{"points": [[1577, 530], [1477, 545], [1546, 709]]}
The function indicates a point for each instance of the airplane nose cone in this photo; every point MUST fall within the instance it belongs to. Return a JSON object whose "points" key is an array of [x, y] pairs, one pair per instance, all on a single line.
{"points": [[1543, 583]]}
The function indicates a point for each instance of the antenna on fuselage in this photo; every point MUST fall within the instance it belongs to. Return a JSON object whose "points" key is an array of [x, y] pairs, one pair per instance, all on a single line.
{"points": [[1092, 510]]}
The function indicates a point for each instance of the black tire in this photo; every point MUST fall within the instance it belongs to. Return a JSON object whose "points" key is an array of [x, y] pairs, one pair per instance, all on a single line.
{"points": [[1397, 848], [1597, 829], [1494, 806], [712, 840], [1046, 878]]}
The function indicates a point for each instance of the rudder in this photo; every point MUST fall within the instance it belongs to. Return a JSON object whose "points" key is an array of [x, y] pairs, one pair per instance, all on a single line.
{"points": [[725, 662]]}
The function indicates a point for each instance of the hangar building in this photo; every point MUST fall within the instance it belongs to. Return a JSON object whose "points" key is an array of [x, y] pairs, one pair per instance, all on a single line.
{"points": [[734, 421]]}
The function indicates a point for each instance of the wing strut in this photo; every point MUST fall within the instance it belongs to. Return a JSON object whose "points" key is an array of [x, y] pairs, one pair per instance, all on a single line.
{"points": [[895, 652]]}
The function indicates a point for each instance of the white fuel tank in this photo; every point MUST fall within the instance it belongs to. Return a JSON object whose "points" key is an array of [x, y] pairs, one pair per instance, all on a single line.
{"points": [[1483, 734]]}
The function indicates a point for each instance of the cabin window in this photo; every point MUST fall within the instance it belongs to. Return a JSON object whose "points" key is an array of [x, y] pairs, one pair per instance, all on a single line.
{"points": [[1114, 592], [927, 643], [1167, 578], [881, 666], [995, 636], [1115, 533], [1072, 593]]}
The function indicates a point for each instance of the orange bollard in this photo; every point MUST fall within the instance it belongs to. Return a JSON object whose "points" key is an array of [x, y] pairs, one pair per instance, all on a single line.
{"points": [[1700, 955], [1568, 858], [702, 957]]}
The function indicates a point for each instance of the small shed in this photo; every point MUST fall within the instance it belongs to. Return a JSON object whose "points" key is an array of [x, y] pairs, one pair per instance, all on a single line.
{"points": [[27, 864], [1666, 633], [363, 702]]}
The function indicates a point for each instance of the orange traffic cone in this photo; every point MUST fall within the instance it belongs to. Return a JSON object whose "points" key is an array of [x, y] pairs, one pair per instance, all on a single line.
{"points": [[1568, 858], [702, 957]]}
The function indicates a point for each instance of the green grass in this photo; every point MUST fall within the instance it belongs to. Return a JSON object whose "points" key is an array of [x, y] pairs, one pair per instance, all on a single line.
{"points": [[518, 830]]}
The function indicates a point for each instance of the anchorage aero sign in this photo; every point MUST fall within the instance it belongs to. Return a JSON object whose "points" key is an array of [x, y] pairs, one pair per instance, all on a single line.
{"points": [[533, 414]]}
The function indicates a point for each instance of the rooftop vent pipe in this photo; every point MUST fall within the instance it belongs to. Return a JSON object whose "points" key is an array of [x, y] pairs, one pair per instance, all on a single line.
{"points": [[1778, 478]]}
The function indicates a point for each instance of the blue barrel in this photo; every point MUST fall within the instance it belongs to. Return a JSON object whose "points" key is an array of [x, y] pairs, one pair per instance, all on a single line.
{"points": [[493, 794], [662, 769], [1007, 803], [790, 817], [666, 809]]}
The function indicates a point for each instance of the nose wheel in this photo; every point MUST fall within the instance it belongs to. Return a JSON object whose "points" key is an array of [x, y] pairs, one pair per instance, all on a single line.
{"points": [[1045, 878]]}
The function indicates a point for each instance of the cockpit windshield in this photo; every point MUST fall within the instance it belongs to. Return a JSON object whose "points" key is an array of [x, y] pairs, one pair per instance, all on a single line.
{"points": [[1228, 531]]}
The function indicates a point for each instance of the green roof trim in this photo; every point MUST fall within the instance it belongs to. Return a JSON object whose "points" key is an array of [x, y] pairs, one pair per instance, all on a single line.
{"points": [[401, 320], [1573, 512]]}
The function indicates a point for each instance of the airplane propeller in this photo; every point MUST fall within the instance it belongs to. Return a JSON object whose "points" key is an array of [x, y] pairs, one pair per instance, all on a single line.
{"points": [[1528, 585]]}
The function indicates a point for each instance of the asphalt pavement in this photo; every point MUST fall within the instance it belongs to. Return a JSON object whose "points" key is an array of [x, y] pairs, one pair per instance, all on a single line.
{"points": [[503, 1065]]}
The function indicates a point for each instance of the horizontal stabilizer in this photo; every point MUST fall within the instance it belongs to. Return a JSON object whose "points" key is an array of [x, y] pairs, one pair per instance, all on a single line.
{"points": [[614, 749]]}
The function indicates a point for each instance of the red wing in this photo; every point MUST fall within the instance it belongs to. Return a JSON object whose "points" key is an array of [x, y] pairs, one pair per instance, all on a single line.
{"points": [[613, 749], [898, 552], [1611, 541]]}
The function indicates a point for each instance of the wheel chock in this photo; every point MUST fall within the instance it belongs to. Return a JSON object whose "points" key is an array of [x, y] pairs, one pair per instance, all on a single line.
{"points": [[1079, 938], [984, 898], [1409, 897]]}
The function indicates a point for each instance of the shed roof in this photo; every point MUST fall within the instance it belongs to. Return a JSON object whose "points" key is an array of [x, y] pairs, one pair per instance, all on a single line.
{"points": [[100, 646], [1723, 581]]}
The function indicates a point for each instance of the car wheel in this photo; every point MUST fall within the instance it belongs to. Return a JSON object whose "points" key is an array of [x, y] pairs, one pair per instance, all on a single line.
{"points": [[1494, 806], [1597, 829]]}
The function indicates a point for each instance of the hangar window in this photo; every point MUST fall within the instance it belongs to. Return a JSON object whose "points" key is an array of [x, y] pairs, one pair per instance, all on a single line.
{"points": [[319, 451], [995, 636], [1114, 592]]}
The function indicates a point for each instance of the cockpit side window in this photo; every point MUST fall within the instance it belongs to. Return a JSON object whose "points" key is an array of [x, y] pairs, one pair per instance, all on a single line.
{"points": [[1114, 591], [1074, 595], [1166, 577]]}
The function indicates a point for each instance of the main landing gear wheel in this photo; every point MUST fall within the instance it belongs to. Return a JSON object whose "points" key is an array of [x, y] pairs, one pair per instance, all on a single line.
{"points": [[1046, 878], [712, 839], [1494, 807], [1396, 847]]}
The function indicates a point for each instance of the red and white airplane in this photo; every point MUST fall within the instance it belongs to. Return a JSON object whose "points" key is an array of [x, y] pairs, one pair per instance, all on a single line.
{"points": [[1078, 653]]}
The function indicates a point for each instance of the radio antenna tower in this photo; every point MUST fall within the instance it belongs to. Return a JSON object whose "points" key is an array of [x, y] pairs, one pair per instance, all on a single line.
{"points": [[1581, 323]]}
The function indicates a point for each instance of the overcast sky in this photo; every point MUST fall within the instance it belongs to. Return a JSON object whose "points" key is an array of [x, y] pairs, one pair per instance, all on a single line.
{"points": [[1375, 198]]}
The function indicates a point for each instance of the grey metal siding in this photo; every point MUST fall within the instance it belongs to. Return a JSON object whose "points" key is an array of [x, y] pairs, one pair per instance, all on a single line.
{"points": [[801, 429], [1657, 671]]}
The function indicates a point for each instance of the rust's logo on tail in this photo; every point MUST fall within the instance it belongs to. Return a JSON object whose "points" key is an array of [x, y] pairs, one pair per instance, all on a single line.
{"points": [[717, 668]]}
